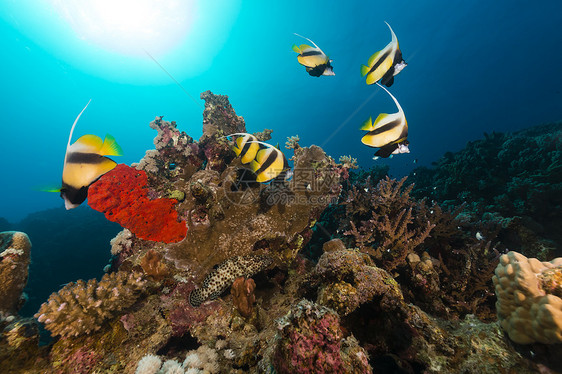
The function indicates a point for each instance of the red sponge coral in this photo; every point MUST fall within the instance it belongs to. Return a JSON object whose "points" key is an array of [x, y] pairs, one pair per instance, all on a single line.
{"points": [[121, 195]]}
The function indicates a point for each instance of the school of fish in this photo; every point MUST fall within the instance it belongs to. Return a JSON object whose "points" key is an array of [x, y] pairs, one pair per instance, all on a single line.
{"points": [[86, 159]]}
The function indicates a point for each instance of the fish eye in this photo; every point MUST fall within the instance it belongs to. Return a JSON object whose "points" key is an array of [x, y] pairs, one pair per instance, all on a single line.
{"points": [[172, 166]]}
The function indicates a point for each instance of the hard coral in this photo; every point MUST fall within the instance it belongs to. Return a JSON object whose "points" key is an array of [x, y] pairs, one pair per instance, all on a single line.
{"points": [[14, 260], [393, 228], [80, 308], [121, 195], [528, 308]]}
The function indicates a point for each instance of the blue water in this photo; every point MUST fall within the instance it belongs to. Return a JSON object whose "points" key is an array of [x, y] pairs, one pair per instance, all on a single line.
{"points": [[473, 67]]}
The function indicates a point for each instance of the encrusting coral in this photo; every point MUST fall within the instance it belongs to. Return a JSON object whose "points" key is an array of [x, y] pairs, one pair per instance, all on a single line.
{"points": [[15, 250], [82, 307], [529, 298], [311, 341], [122, 196]]}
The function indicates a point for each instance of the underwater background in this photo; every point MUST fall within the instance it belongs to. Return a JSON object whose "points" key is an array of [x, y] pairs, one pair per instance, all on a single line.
{"points": [[472, 68], [480, 77]]}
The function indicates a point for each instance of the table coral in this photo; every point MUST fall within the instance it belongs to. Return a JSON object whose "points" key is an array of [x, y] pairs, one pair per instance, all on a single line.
{"points": [[81, 307], [15, 250], [528, 308], [122, 196]]}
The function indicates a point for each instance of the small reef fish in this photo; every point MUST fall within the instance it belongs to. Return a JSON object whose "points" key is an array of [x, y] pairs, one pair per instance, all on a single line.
{"points": [[384, 64], [389, 132], [269, 163], [246, 146], [317, 63], [84, 163]]}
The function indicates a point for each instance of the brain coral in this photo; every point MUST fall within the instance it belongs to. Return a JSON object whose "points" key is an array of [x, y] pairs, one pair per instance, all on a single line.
{"points": [[529, 302]]}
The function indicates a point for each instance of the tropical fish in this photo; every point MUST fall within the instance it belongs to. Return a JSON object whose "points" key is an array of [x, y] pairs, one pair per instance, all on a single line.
{"points": [[269, 163], [84, 163], [315, 61], [389, 132], [246, 145], [384, 64]]}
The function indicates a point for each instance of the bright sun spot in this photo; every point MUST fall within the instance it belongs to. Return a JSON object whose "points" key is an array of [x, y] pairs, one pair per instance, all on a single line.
{"points": [[129, 26]]}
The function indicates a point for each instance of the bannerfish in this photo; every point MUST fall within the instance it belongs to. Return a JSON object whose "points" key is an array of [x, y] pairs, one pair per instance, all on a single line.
{"points": [[246, 146], [269, 163], [84, 163], [384, 64], [317, 63], [389, 132]]}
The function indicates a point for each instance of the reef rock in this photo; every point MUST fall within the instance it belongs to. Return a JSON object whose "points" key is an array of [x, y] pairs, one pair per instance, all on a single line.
{"points": [[15, 250]]}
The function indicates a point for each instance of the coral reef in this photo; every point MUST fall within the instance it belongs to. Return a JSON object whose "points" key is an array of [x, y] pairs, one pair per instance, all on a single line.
{"points": [[310, 341], [529, 303], [505, 177], [350, 273], [15, 250], [122, 196], [80, 308]]}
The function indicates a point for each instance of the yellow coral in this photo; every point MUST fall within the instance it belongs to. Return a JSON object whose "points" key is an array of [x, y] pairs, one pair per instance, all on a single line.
{"points": [[527, 309]]}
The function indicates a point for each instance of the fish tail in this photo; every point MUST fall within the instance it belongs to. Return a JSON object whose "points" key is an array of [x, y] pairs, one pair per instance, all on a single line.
{"points": [[364, 70]]}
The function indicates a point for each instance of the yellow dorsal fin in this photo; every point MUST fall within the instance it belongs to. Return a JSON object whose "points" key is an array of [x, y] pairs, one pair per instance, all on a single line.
{"points": [[367, 125], [110, 147], [92, 143], [373, 58], [379, 121], [296, 49]]}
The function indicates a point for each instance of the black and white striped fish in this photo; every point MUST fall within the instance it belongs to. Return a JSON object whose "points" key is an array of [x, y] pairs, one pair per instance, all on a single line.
{"points": [[384, 64], [317, 63], [84, 163], [389, 132], [269, 163], [246, 146]]}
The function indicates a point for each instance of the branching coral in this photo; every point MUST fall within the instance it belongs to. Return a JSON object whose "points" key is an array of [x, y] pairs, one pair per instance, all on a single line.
{"points": [[292, 142], [82, 307], [392, 232]]}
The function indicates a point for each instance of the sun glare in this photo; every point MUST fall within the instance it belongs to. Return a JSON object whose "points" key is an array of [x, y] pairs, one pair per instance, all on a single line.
{"points": [[129, 26]]}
